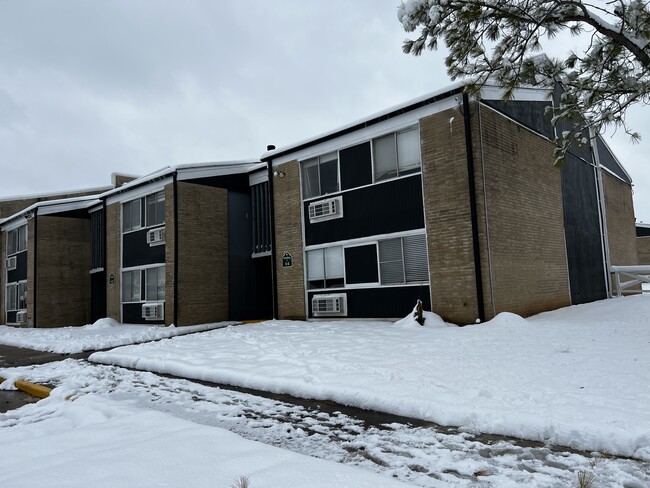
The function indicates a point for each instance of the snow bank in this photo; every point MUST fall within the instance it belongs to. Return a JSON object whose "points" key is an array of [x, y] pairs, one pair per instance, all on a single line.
{"points": [[103, 334], [579, 376]]}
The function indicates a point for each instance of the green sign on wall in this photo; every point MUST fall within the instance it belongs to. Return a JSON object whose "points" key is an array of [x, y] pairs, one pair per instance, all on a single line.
{"points": [[287, 260]]}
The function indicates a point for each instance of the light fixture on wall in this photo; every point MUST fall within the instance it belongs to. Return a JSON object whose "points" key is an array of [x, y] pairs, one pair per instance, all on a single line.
{"points": [[279, 174]]}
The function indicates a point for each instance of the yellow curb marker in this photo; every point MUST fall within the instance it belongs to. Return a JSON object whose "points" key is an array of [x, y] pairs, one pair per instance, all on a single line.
{"points": [[33, 389]]}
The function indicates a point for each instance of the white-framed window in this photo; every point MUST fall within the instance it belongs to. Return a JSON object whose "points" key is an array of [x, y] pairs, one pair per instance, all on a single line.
{"points": [[325, 268], [17, 240], [140, 285], [320, 175], [144, 212], [396, 154], [403, 260], [16, 296]]}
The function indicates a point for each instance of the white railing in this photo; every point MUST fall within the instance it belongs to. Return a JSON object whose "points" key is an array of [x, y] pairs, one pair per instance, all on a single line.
{"points": [[636, 274]]}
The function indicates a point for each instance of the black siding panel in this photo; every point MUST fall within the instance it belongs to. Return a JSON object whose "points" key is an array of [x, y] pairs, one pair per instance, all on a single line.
{"points": [[531, 114], [385, 208], [582, 230], [11, 317], [97, 296], [132, 314], [356, 166], [361, 264], [20, 273], [642, 231], [136, 251], [391, 302], [238, 182], [608, 161], [97, 241], [239, 254]]}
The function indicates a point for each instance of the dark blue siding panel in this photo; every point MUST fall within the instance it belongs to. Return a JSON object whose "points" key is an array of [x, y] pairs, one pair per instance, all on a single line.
{"points": [[531, 114], [389, 207], [390, 302], [136, 251], [20, 273], [132, 314], [582, 231], [356, 166], [608, 160]]}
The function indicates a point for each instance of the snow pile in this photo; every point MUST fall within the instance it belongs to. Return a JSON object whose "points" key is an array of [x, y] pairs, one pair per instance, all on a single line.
{"points": [[104, 333], [95, 441], [430, 320], [578, 377]]}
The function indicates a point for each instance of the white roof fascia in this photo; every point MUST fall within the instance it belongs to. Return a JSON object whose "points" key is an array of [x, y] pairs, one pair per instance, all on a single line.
{"points": [[138, 191], [65, 207], [525, 94], [156, 175], [192, 172], [13, 223], [56, 206], [365, 134], [258, 177], [98, 190]]}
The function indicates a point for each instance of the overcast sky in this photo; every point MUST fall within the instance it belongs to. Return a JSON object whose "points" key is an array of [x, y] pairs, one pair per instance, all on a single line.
{"points": [[88, 88]]}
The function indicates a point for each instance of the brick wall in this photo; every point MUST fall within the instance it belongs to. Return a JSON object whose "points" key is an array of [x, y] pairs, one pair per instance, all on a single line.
{"points": [[170, 244], [643, 248], [447, 217], [3, 277], [621, 227], [288, 238], [31, 244], [63, 254], [113, 260], [202, 254], [526, 266]]}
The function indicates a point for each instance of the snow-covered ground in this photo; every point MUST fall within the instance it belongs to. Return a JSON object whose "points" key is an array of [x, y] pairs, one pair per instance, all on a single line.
{"points": [[578, 377], [103, 334], [419, 455]]}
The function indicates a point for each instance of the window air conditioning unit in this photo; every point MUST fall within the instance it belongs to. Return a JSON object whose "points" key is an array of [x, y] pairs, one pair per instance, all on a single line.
{"points": [[332, 208], [156, 237], [332, 305], [11, 263], [153, 311], [21, 317]]}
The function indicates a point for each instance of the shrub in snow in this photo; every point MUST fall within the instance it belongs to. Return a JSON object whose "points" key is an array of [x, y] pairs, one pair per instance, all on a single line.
{"points": [[507, 320], [104, 323]]}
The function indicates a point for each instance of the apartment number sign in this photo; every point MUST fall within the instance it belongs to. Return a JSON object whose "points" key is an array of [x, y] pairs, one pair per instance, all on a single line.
{"points": [[287, 260]]}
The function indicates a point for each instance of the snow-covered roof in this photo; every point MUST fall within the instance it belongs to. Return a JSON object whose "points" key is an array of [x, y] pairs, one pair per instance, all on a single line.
{"points": [[189, 171], [95, 191], [46, 207]]}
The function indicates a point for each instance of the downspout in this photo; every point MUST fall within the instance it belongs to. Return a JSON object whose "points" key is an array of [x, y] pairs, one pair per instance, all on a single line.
{"points": [[175, 190], [274, 277], [35, 264], [104, 258], [473, 211], [602, 213]]}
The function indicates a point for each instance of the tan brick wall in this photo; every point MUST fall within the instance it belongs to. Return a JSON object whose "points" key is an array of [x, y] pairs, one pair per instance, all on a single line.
{"points": [[113, 260], [288, 238], [202, 254], [31, 244], [447, 217], [63, 253], [643, 248], [3, 277], [621, 227], [525, 223], [170, 244]]}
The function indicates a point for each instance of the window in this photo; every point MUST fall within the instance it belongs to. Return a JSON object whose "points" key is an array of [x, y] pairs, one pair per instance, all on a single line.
{"points": [[21, 295], [325, 267], [17, 240], [131, 215], [153, 280], [131, 285], [155, 208], [144, 212], [10, 300], [155, 285], [320, 175], [403, 260], [396, 154]]}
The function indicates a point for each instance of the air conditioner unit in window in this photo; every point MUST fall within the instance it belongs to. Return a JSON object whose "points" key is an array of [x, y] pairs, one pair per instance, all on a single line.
{"points": [[332, 208], [329, 305], [153, 311], [21, 317], [11, 263], [156, 237]]}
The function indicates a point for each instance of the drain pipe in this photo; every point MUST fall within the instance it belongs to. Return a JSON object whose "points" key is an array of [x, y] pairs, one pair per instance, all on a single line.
{"points": [[35, 264], [175, 190], [473, 212], [274, 277], [602, 212]]}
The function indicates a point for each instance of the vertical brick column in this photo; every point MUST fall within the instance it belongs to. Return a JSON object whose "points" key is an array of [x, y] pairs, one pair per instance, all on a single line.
{"points": [[31, 265], [288, 239], [621, 228], [170, 245], [113, 260]]}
